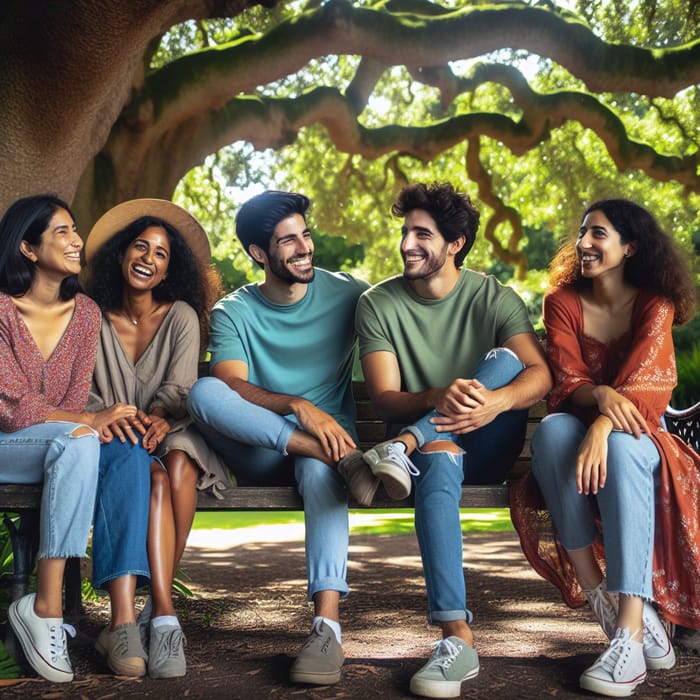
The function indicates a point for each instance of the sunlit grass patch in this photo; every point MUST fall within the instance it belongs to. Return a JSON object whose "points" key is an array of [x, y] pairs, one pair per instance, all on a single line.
{"points": [[362, 522]]}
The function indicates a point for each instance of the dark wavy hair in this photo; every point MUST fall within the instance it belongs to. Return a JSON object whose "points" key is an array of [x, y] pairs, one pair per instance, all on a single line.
{"points": [[187, 279], [454, 212], [658, 264], [257, 218], [27, 219]]}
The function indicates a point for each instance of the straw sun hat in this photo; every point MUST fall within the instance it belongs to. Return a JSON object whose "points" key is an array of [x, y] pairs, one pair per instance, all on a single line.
{"points": [[123, 214]]}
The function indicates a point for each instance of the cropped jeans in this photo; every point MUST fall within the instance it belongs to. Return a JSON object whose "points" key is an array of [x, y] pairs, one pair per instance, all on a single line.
{"points": [[66, 464], [122, 505], [253, 442], [626, 502], [487, 455]]}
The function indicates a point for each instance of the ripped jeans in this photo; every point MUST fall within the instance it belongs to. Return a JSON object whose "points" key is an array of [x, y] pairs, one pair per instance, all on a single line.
{"points": [[67, 465], [488, 454]]}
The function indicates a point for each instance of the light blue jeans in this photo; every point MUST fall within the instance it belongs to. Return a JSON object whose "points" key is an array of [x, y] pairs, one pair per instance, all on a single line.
{"points": [[48, 453], [122, 505], [253, 442], [626, 503], [488, 454]]}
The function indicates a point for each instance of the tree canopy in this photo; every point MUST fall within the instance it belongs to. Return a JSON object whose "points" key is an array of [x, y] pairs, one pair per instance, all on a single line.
{"points": [[533, 107]]}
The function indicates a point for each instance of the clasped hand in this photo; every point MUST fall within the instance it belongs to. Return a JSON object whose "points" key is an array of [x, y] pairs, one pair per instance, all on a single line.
{"points": [[126, 422], [335, 440], [464, 406], [616, 413]]}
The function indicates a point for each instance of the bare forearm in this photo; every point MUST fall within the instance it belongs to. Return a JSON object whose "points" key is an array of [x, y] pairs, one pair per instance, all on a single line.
{"points": [[529, 387], [405, 407], [282, 404]]}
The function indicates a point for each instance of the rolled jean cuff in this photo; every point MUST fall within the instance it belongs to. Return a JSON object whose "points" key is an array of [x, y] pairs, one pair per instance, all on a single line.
{"points": [[328, 584], [437, 617]]}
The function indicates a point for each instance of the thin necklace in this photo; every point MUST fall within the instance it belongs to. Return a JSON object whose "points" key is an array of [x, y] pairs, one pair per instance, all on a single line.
{"points": [[136, 321]]}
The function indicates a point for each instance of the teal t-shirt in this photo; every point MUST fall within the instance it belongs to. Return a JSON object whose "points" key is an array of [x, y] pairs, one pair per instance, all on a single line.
{"points": [[302, 349], [437, 340]]}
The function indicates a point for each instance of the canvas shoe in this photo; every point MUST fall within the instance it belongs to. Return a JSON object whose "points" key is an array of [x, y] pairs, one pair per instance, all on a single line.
{"points": [[320, 659], [43, 640], [604, 606], [360, 481], [144, 622], [166, 654], [389, 461], [658, 650], [618, 670], [121, 648], [452, 662]]}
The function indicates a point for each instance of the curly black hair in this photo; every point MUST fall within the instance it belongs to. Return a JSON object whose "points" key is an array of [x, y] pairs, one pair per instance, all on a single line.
{"points": [[454, 212], [187, 279]]}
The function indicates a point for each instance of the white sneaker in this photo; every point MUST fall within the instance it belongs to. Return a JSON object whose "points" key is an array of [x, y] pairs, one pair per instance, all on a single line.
{"points": [[658, 650], [604, 606], [618, 670], [43, 640], [389, 462]]}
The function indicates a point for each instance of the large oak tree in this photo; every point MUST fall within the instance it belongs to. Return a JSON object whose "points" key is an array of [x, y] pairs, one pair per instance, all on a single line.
{"points": [[87, 111]]}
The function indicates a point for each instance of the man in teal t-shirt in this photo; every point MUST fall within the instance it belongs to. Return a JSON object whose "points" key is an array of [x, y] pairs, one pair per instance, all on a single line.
{"points": [[279, 407], [451, 359]]}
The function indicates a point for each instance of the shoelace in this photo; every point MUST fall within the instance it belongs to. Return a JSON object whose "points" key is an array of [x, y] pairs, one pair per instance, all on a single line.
{"points": [[58, 642], [652, 635], [603, 609], [171, 642], [609, 658], [445, 653], [397, 453]]}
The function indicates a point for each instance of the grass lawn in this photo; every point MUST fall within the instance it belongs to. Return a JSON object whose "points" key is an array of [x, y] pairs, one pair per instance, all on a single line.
{"points": [[365, 522]]}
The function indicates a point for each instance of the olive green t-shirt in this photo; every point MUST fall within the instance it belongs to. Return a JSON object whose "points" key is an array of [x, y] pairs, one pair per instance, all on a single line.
{"points": [[437, 340]]}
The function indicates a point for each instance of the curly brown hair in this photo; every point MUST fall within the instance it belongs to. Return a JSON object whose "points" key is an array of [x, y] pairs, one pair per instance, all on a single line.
{"points": [[659, 264]]}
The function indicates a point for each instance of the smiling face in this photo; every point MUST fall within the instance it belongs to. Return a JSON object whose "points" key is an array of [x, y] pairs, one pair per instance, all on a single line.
{"points": [[599, 246], [58, 252], [291, 250], [423, 249], [145, 261]]}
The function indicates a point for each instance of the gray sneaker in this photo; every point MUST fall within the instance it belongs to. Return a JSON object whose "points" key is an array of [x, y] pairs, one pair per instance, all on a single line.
{"points": [[389, 462], [166, 654], [43, 640], [121, 648], [452, 662], [144, 622], [320, 659], [361, 483]]}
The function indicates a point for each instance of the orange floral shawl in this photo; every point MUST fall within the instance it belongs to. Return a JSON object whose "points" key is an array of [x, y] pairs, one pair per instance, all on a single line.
{"points": [[641, 366]]}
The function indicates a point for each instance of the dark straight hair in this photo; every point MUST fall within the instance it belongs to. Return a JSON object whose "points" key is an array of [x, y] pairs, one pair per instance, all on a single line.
{"points": [[26, 220]]}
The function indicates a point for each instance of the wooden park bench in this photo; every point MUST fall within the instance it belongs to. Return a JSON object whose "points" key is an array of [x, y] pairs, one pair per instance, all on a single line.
{"points": [[24, 500]]}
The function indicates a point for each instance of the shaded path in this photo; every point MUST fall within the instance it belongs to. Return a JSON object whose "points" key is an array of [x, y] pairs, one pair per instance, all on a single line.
{"points": [[249, 617]]}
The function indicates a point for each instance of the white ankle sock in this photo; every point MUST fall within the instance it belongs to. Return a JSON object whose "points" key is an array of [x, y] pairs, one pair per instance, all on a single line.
{"points": [[335, 626], [163, 620]]}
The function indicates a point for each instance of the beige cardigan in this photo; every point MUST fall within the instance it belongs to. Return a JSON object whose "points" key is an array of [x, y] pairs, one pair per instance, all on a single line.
{"points": [[162, 376]]}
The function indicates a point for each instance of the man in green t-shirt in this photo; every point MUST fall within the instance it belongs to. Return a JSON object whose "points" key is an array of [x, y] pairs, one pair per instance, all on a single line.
{"points": [[451, 360]]}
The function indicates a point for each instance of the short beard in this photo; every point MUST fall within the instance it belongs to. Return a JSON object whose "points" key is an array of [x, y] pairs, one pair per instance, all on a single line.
{"points": [[284, 274]]}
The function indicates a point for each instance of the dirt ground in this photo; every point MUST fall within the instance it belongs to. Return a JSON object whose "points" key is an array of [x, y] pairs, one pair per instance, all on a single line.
{"points": [[249, 617]]}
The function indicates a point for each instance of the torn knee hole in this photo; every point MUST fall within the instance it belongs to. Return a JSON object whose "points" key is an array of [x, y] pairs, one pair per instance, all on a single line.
{"points": [[441, 446], [82, 431]]}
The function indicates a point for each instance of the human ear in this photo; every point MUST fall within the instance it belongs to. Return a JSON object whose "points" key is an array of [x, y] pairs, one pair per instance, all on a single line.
{"points": [[26, 250], [257, 253]]}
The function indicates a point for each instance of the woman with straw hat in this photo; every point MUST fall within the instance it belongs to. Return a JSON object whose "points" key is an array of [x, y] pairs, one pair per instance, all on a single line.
{"points": [[149, 271]]}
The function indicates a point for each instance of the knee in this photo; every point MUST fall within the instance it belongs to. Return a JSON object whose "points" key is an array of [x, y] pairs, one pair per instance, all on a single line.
{"points": [[198, 394], [441, 446], [182, 471], [160, 483]]}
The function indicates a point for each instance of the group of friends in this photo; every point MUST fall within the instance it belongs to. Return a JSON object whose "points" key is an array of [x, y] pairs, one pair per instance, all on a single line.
{"points": [[100, 402]]}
